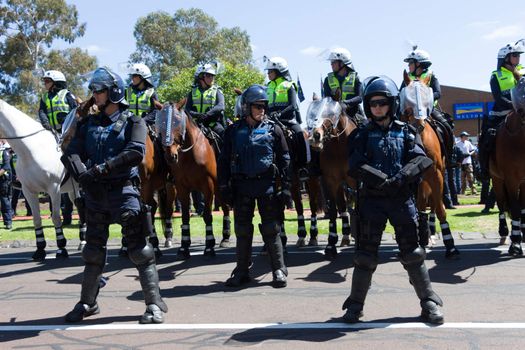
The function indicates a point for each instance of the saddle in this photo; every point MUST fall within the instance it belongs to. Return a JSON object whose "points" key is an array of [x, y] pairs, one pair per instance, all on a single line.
{"points": [[214, 138], [445, 137]]}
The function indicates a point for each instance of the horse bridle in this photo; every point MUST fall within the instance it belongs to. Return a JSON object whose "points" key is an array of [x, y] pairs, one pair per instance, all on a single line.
{"points": [[328, 130]]}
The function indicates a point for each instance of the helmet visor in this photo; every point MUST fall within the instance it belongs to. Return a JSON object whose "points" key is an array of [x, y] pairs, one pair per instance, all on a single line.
{"points": [[320, 110]]}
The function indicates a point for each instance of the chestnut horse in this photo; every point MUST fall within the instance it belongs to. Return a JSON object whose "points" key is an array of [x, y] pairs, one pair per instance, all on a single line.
{"points": [[416, 105], [330, 130], [507, 168], [192, 164]]}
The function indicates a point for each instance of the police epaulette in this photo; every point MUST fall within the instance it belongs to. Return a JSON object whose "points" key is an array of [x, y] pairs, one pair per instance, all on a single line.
{"points": [[119, 124], [399, 122]]}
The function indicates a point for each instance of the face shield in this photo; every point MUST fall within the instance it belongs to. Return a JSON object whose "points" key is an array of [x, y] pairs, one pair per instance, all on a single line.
{"points": [[167, 121], [323, 109], [518, 95]]}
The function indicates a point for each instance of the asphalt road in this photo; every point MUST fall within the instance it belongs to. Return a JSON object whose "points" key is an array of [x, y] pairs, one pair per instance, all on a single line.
{"points": [[483, 295]]}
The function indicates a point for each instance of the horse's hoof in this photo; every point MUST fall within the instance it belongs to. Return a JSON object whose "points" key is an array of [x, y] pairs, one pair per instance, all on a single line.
{"points": [[62, 253], [345, 241], [431, 241], [300, 242], [183, 254], [209, 252], [81, 245], [168, 243], [452, 254], [39, 255], [515, 249], [330, 252], [503, 240], [123, 252], [158, 253], [225, 243], [313, 242]]}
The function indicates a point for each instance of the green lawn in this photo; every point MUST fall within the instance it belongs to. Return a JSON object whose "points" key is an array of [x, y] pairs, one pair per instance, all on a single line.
{"points": [[466, 218]]}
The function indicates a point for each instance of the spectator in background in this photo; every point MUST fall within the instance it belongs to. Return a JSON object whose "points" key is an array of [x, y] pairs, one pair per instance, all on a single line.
{"points": [[5, 184], [467, 170]]}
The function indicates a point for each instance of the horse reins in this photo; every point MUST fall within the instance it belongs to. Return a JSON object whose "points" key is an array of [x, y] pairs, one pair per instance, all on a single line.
{"points": [[23, 137]]}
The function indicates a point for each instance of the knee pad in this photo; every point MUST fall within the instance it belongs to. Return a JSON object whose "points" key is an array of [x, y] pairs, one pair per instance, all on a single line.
{"points": [[94, 254], [269, 229], [413, 257], [131, 223], [140, 255], [365, 260]]}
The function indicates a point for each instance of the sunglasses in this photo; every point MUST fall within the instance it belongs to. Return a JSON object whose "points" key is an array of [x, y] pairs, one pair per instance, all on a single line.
{"points": [[515, 54], [259, 106], [98, 92], [208, 75], [379, 103]]}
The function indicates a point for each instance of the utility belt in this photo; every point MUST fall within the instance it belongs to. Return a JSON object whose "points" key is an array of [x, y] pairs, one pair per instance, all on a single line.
{"points": [[116, 184], [269, 174]]}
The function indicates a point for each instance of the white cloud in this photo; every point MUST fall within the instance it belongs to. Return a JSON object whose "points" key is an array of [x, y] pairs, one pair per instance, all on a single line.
{"points": [[312, 51], [504, 32], [93, 49]]}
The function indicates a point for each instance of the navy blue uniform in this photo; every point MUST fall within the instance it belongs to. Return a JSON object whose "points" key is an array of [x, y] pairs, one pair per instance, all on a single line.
{"points": [[5, 187]]}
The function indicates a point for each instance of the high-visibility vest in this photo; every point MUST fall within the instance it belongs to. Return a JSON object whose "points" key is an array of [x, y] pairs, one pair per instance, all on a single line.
{"points": [[347, 87], [140, 103], [277, 91], [58, 104]]}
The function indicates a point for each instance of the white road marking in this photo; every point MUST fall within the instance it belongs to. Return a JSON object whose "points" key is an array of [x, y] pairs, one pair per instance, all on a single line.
{"points": [[264, 326]]}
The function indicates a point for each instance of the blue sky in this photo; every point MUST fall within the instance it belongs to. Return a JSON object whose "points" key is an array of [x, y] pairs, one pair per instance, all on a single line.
{"points": [[462, 37]]}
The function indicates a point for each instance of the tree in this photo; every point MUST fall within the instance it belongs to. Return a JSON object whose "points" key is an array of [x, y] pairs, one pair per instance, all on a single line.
{"points": [[27, 28], [169, 44], [234, 76]]}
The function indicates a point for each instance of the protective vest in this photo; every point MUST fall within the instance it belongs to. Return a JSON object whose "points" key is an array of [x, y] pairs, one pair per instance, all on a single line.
{"points": [[505, 78], [277, 91], [139, 103], [252, 150], [203, 102], [386, 150], [347, 87], [105, 142], [58, 104], [2, 162]]}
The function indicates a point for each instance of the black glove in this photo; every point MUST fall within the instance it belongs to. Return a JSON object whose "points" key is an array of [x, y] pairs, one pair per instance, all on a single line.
{"points": [[275, 115], [226, 195], [202, 118], [93, 174], [284, 193], [393, 184]]}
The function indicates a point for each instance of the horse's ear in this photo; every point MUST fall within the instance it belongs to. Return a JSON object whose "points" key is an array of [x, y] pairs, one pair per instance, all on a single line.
{"points": [[237, 91], [337, 95], [406, 78], [181, 104], [84, 107]]}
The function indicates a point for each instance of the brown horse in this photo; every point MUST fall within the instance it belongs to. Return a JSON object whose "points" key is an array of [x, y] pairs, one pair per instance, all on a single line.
{"points": [[330, 131], [192, 164], [416, 106], [507, 168]]}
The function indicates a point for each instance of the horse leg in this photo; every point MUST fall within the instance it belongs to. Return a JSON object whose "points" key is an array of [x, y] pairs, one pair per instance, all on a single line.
{"points": [[314, 191], [80, 203], [451, 251], [515, 214], [330, 250], [226, 226], [166, 201], [209, 249], [153, 237], [501, 200], [432, 226], [183, 253], [345, 216], [301, 228], [423, 225], [32, 200], [57, 222]]}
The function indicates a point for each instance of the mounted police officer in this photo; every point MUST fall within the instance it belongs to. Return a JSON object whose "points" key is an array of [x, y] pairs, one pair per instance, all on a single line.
{"points": [[5, 184], [283, 106], [254, 157], [418, 68], [141, 94], [502, 81], [345, 79], [205, 102], [103, 156], [55, 104], [387, 158]]}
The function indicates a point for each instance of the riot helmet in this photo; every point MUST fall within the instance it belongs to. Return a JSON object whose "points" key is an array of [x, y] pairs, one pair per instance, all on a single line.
{"points": [[381, 86], [103, 79], [420, 56], [255, 93], [55, 75], [507, 50]]}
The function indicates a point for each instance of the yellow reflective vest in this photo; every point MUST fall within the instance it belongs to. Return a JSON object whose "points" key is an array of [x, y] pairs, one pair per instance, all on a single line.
{"points": [[347, 87], [58, 104], [140, 103]]}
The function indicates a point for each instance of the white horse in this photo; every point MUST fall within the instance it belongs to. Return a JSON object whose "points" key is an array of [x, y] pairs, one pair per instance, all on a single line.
{"points": [[39, 169]]}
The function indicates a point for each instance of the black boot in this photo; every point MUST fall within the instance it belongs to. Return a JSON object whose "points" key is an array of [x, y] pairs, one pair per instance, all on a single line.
{"points": [[276, 255], [87, 305], [240, 275], [423, 229], [430, 301], [361, 280], [149, 281], [80, 311]]}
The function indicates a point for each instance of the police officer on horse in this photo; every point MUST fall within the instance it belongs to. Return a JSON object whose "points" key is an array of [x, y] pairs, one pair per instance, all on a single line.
{"points": [[254, 169], [103, 157], [141, 94], [387, 158]]}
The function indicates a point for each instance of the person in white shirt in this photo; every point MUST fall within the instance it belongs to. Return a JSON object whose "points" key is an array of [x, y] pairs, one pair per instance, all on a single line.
{"points": [[467, 171]]}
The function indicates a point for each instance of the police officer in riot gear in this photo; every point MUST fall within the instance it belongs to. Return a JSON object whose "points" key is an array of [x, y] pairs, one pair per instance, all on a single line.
{"points": [[254, 168], [284, 107], [141, 94], [55, 104], [103, 156], [502, 81], [344, 78], [387, 158]]}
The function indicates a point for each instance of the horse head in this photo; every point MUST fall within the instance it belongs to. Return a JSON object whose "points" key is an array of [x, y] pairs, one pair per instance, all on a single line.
{"points": [[171, 123], [323, 121], [416, 101]]}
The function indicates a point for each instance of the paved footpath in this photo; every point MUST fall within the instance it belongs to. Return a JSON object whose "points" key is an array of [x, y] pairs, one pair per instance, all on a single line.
{"points": [[483, 294]]}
